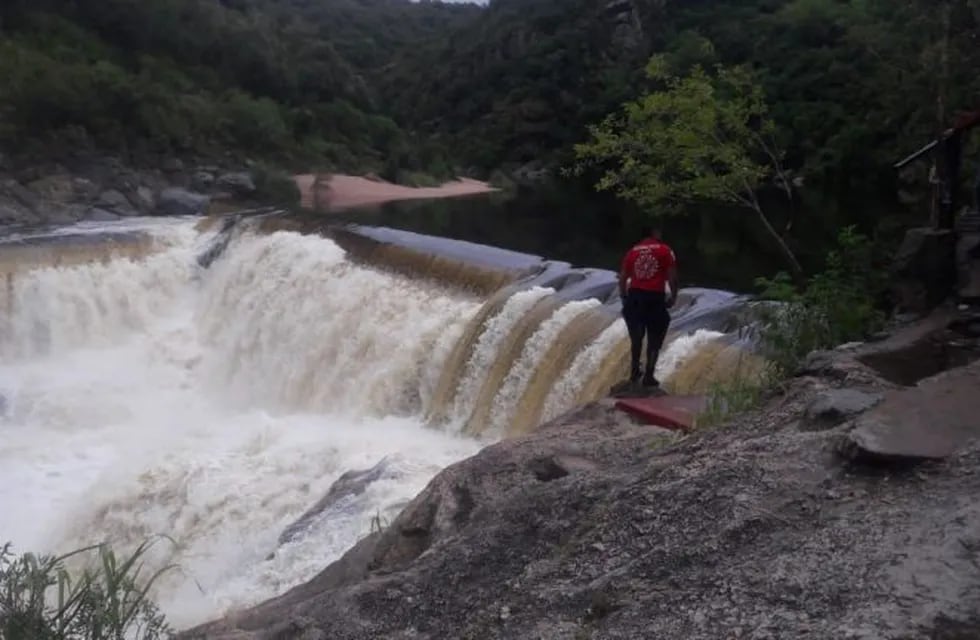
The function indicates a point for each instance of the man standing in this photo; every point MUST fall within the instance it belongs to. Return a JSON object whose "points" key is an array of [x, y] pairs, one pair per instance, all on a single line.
{"points": [[647, 269]]}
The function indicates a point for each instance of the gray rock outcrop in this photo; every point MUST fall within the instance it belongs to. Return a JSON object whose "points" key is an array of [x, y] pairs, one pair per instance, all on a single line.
{"points": [[12, 213], [59, 187], [835, 406], [239, 183], [932, 420], [100, 215], [202, 180], [19, 195], [181, 202], [594, 527], [114, 201], [351, 483], [144, 199]]}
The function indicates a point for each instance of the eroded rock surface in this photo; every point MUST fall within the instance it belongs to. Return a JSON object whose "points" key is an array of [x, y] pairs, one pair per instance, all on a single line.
{"points": [[594, 527], [835, 406], [94, 187], [937, 418]]}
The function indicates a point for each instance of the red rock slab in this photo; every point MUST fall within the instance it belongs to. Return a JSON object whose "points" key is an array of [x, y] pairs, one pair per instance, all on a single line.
{"points": [[669, 412]]}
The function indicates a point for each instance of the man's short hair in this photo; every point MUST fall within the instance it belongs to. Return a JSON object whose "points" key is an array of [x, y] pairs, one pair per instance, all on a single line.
{"points": [[649, 231]]}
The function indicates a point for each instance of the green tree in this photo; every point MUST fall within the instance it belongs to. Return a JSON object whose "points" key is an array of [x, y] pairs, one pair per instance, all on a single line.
{"points": [[696, 139]]}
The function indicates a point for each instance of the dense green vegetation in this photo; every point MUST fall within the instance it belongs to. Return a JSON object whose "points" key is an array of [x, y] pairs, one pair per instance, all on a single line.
{"points": [[42, 598], [837, 305], [404, 89], [286, 81], [701, 138], [852, 83]]}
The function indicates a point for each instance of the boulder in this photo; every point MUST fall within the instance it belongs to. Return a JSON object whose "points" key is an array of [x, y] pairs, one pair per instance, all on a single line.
{"points": [[351, 483], [202, 180], [84, 189], [924, 269], [125, 181], [59, 213], [55, 188], [100, 215], [835, 406], [930, 421], [143, 199], [181, 202], [19, 194], [116, 202], [919, 350], [15, 214], [239, 183]]}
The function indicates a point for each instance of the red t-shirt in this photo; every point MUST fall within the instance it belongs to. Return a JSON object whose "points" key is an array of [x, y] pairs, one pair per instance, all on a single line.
{"points": [[647, 264]]}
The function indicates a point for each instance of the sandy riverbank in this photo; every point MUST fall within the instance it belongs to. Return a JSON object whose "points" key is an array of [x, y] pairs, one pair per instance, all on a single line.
{"points": [[337, 191]]}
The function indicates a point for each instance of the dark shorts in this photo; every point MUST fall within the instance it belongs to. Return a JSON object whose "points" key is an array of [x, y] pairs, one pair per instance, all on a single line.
{"points": [[646, 316], [646, 308]]}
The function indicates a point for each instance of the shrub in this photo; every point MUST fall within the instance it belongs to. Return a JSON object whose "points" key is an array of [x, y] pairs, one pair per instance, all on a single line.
{"points": [[40, 599], [274, 186], [836, 306]]}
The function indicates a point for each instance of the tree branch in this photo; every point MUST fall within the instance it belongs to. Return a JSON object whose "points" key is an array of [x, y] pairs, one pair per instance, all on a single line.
{"points": [[787, 252]]}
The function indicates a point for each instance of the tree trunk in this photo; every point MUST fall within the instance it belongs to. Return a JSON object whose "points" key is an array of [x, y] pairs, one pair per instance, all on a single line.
{"points": [[783, 247]]}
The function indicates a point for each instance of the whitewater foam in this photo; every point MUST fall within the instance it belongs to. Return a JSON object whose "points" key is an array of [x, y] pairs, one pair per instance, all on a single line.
{"points": [[145, 396], [520, 373], [495, 331], [216, 407]]}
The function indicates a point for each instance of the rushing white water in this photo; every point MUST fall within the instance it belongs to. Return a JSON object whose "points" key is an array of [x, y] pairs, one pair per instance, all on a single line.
{"points": [[520, 374], [566, 388], [494, 333], [145, 397]]}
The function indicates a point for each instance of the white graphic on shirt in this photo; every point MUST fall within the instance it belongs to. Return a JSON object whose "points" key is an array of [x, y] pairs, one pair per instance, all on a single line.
{"points": [[646, 266]]}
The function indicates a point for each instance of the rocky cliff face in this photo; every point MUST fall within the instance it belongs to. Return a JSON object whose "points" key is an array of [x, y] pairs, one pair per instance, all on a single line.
{"points": [[776, 526], [103, 189]]}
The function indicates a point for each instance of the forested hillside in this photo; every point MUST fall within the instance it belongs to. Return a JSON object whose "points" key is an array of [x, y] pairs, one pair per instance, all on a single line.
{"points": [[392, 85], [851, 83], [287, 80]]}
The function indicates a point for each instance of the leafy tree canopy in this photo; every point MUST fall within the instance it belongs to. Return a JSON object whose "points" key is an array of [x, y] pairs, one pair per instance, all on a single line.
{"points": [[699, 138]]}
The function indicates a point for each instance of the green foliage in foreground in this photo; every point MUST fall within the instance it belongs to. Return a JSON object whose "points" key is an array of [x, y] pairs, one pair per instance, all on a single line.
{"points": [[42, 599], [837, 305], [744, 392]]}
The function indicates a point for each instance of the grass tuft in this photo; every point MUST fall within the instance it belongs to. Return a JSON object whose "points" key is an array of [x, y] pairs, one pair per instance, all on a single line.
{"points": [[41, 599]]}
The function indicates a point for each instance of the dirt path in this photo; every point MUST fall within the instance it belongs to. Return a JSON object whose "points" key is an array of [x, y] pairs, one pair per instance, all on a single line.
{"points": [[336, 192]]}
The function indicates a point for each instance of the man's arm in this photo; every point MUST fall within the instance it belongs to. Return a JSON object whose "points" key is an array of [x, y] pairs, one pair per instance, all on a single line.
{"points": [[672, 279], [623, 275]]}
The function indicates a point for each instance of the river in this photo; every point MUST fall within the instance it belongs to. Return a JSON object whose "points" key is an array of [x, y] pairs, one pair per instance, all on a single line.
{"points": [[144, 394]]}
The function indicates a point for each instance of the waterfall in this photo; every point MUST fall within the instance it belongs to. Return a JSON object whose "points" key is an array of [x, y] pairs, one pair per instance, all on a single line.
{"points": [[175, 377]]}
